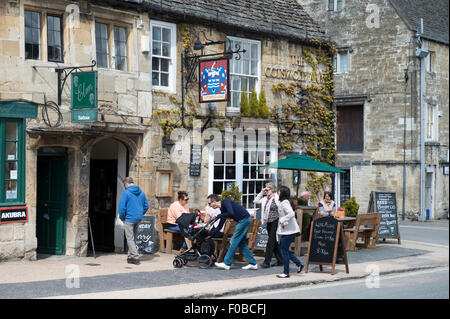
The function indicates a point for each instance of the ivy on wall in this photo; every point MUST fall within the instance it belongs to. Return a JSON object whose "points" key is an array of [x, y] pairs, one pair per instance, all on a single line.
{"points": [[310, 126]]}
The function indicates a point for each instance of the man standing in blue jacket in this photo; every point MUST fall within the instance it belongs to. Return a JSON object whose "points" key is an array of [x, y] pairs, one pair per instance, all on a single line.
{"points": [[132, 206], [231, 209]]}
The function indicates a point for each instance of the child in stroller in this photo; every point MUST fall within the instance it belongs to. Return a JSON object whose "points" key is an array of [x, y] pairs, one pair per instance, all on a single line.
{"points": [[202, 249]]}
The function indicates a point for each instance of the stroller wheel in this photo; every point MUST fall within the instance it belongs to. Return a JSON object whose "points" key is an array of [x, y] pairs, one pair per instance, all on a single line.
{"points": [[204, 261], [184, 260], [177, 262]]}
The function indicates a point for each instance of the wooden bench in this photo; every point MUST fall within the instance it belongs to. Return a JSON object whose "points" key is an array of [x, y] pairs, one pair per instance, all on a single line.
{"points": [[222, 244], [366, 228], [166, 236]]}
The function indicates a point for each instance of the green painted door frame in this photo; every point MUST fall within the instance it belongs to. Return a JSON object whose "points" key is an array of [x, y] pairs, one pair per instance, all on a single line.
{"points": [[52, 196]]}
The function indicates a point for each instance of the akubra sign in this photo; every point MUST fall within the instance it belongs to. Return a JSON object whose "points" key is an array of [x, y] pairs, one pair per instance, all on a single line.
{"points": [[214, 83]]}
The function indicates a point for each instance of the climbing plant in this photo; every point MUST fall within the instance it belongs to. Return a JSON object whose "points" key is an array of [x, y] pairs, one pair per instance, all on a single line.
{"points": [[310, 125]]}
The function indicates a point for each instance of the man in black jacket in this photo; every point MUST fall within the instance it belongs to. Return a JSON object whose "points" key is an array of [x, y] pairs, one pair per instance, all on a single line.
{"points": [[231, 209]]}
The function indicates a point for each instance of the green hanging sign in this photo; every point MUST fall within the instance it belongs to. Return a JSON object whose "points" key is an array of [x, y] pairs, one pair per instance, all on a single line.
{"points": [[84, 96], [84, 90]]}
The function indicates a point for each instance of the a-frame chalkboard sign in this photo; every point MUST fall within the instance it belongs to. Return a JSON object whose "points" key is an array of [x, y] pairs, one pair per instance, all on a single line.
{"points": [[326, 244], [386, 205]]}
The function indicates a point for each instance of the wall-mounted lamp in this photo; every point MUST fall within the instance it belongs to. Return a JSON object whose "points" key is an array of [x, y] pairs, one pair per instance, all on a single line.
{"points": [[211, 107], [168, 144]]}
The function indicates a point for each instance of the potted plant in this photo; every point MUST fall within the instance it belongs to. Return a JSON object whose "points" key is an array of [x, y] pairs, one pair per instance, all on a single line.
{"points": [[351, 207], [233, 194]]}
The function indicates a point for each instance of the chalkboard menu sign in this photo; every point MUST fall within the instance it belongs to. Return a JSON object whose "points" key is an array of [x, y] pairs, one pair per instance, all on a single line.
{"points": [[196, 160], [262, 237], [145, 235], [386, 205], [326, 244]]}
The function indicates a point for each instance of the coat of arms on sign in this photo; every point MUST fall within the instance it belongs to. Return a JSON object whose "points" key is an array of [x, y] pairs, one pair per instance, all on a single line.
{"points": [[214, 80]]}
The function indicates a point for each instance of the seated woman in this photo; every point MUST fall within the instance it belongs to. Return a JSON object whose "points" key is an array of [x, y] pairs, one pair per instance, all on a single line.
{"points": [[176, 209], [210, 213], [326, 205]]}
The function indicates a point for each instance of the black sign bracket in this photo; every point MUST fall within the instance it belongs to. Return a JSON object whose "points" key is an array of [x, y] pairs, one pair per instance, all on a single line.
{"points": [[63, 74]]}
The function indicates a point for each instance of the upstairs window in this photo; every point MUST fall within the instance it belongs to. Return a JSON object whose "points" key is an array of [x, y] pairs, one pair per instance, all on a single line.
{"points": [[32, 35], [54, 38], [34, 42], [350, 128], [163, 55], [111, 46], [429, 61], [245, 72], [102, 44], [120, 44], [341, 62], [334, 5]]}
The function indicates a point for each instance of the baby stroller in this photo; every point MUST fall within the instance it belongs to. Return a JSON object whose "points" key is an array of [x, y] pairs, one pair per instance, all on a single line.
{"points": [[202, 249]]}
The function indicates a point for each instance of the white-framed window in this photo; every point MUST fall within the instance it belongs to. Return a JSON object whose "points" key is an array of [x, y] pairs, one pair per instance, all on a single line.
{"points": [[245, 73], [111, 46], [341, 64], [335, 5], [429, 61], [430, 127], [243, 166], [164, 53]]}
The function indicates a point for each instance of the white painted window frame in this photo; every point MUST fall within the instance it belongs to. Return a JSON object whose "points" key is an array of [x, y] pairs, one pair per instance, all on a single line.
{"points": [[173, 55], [258, 67]]}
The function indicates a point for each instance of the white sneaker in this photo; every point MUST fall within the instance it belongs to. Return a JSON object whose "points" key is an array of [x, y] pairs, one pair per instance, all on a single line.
{"points": [[222, 265], [250, 266]]}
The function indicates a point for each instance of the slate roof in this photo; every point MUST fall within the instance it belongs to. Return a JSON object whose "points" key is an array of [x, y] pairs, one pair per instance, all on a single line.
{"points": [[433, 12], [284, 18]]}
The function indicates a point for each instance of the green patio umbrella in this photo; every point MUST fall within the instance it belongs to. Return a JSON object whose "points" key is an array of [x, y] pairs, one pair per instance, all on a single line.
{"points": [[299, 162]]}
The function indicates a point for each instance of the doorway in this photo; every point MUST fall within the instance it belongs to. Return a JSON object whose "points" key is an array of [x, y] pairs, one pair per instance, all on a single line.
{"points": [[429, 193], [102, 203], [51, 213], [108, 167]]}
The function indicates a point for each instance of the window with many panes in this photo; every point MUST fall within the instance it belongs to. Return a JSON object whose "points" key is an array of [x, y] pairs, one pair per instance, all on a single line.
{"points": [[102, 44], [243, 166], [33, 34], [244, 72], [12, 150], [163, 48], [54, 38], [119, 35], [120, 45]]}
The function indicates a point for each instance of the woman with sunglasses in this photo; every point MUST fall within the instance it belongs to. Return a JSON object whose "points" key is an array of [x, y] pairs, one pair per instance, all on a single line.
{"points": [[176, 209]]}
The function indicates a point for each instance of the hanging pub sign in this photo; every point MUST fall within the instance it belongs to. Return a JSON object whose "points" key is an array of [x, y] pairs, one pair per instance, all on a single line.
{"points": [[84, 96], [13, 215], [214, 83]]}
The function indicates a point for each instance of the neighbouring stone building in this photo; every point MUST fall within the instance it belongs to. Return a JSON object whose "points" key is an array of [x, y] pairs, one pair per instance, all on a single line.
{"points": [[63, 162], [377, 83]]}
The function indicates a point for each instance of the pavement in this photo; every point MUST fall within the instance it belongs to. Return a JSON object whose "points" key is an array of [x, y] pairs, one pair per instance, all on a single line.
{"points": [[109, 276]]}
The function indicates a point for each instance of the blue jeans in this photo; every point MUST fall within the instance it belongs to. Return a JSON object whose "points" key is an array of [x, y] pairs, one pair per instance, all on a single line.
{"points": [[239, 239], [285, 242]]}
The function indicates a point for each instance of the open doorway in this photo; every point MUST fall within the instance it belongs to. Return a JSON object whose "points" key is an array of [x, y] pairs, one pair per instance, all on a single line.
{"points": [[108, 167]]}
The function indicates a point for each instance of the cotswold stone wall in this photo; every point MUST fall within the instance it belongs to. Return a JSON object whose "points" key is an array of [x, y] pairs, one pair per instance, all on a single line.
{"points": [[380, 46]]}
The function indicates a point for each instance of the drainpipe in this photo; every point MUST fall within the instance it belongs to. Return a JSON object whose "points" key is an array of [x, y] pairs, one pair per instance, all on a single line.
{"points": [[422, 54]]}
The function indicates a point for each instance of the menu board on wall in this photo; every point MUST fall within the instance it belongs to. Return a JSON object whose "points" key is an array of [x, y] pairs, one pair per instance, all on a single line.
{"points": [[196, 160]]}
